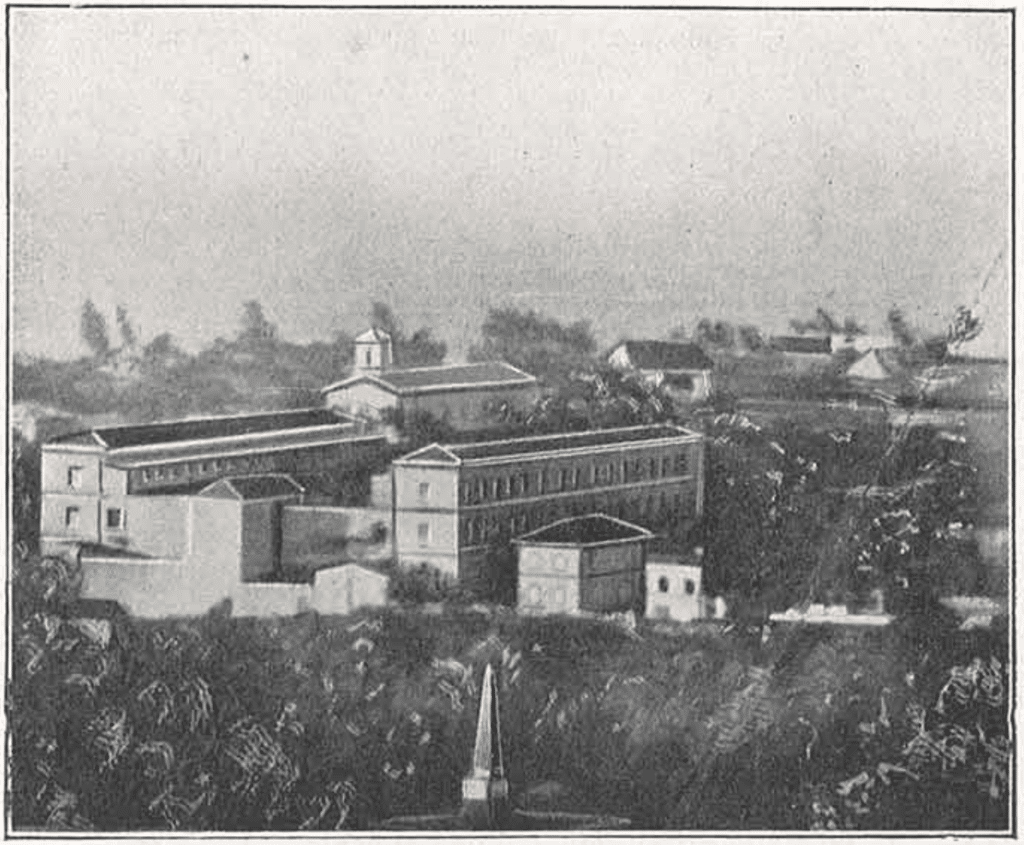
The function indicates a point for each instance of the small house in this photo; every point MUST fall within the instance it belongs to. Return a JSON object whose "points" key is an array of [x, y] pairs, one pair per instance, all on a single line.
{"points": [[682, 369], [343, 589], [673, 590], [592, 563]]}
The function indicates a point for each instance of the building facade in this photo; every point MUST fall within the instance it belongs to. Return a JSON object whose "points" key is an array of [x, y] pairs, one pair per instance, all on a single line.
{"points": [[590, 563], [87, 477], [673, 590], [464, 396], [681, 369], [458, 506]]}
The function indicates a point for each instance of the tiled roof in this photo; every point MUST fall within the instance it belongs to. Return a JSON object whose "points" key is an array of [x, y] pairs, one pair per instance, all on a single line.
{"points": [[801, 344], [585, 531], [425, 379], [666, 355], [550, 443], [204, 428], [248, 487]]}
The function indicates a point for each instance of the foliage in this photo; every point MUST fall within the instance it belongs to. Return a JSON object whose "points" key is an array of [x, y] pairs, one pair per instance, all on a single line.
{"points": [[125, 329], [93, 328], [418, 350], [424, 583], [717, 335], [536, 344]]}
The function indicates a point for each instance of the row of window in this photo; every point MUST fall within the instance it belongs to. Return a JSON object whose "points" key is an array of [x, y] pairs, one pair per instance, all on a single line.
{"points": [[595, 474], [487, 528], [307, 460], [116, 518]]}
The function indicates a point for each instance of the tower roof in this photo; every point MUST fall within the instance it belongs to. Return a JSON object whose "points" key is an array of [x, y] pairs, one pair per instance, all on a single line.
{"points": [[373, 335]]}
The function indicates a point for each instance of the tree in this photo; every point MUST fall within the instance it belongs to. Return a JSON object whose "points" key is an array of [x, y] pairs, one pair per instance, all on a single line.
{"points": [[256, 329], [901, 331], [420, 350], [750, 337], [93, 328], [125, 328], [717, 335], [539, 345], [965, 326]]}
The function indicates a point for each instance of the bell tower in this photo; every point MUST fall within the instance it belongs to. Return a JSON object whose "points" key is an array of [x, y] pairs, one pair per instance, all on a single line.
{"points": [[373, 352]]}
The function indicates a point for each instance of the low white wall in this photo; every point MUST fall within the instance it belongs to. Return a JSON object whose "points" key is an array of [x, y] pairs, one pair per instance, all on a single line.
{"points": [[270, 599], [342, 589], [154, 589]]}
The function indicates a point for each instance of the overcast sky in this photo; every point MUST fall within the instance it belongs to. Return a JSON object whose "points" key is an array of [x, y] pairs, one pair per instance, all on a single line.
{"points": [[639, 169]]}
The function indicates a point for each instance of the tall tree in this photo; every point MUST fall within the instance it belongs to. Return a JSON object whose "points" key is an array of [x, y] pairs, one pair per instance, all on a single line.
{"points": [[539, 345], [750, 337], [93, 328], [125, 328], [901, 331]]}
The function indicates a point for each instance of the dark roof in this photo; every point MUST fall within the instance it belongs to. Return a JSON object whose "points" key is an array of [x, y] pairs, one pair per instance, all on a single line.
{"points": [[118, 437], [801, 344], [666, 355], [586, 530], [243, 445], [247, 487], [421, 379], [549, 443]]}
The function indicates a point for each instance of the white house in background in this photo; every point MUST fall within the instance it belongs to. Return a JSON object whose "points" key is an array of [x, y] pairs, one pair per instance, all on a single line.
{"points": [[869, 367], [682, 369], [673, 589]]}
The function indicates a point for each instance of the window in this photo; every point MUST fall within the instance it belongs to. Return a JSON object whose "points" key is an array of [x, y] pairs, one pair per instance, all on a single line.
{"points": [[665, 466], [654, 467], [563, 479], [576, 479], [71, 517], [535, 594], [560, 597], [423, 533], [681, 463], [424, 490], [115, 518], [526, 484], [540, 481], [690, 587], [369, 357], [663, 584], [146, 475], [75, 477]]}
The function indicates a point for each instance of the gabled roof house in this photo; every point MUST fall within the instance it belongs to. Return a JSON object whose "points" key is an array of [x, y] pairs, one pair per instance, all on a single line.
{"points": [[683, 369]]}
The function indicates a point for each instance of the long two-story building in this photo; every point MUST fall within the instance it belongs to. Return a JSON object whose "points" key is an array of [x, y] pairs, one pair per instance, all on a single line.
{"points": [[457, 507], [91, 480]]}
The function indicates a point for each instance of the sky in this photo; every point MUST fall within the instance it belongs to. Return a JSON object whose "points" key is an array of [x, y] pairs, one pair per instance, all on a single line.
{"points": [[637, 169]]}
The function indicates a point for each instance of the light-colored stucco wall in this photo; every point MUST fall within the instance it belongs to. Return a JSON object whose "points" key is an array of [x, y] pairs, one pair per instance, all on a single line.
{"points": [[158, 525], [154, 589], [55, 461], [548, 579], [673, 602], [362, 398], [343, 589], [216, 537]]}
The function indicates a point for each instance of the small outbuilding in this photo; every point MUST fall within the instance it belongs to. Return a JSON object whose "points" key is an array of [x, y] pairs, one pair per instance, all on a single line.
{"points": [[592, 563], [673, 590], [343, 589]]}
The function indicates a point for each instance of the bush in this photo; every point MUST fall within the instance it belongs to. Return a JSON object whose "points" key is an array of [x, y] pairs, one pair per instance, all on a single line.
{"points": [[425, 583]]}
